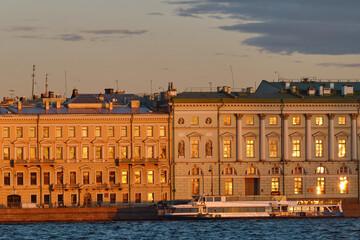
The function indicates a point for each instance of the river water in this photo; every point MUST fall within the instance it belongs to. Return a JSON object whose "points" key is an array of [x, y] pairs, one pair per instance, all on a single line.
{"points": [[344, 228]]}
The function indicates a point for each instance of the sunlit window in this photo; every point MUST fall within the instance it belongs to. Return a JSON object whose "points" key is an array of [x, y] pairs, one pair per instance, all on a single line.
{"points": [[249, 120], [6, 153], [321, 170], [59, 152], [123, 132], [296, 148], [85, 132], [341, 120], [124, 177], [296, 120], [99, 178], [58, 132], [97, 131], [71, 131], [124, 152], [137, 131], [150, 197], [343, 185], [195, 186], [45, 132], [319, 148], [250, 148], [98, 152], [228, 186], [273, 120], [32, 132], [162, 131], [111, 152], [342, 148], [111, 131], [137, 152], [320, 189], [273, 148], [319, 121], [150, 152], [32, 153], [194, 120], [194, 148], [46, 153], [275, 184], [150, 177], [19, 132], [163, 176], [227, 121], [227, 148], [72, 152], [137, 176], [298, 185], [149, 131], [19, 153], [6, 132], [85, 152]]}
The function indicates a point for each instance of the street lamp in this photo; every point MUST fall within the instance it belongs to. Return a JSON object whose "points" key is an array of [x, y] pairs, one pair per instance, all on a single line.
{"points": [[212, 184]]}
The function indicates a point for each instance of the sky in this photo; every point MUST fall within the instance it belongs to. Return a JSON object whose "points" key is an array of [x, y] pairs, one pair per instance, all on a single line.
{"points": [[141, 45]]}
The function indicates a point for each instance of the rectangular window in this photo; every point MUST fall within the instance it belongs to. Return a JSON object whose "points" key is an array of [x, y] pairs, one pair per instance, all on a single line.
{"points": [[19, 153], [59, 153], [46, 132], [72, 152], [112, 177], [342, 148], [227, 121], [33, 178], [85, 132], [275, 184], [124, 152], [319, 121], [72, 132], [163, 151], [6, 153], [343, 185], [227, 148], [228, 186], [97, 131], [111, 152], [112, 198], [6, 178], [20, 178], [298, 185], [162, 131], [195, 186], [86, 177], [72, 177], [296, 148], [124, 177], [46, 178], [194, 148], [58, 132], [46, 153], [111, 131], [137, 151], [125, 197], [137, 131], [296, 120], [273, 120], [194, 120], [32, 153], [137, 197], [342, 120], [320, 189], [19, 132], [73, 199], [33, 198], [98, 152], [319, 148], [149, 131], [47, 199], [85, 152], [273, 148], [124, 131], [137, 177], [150, 152], [250, 151], [163, 176], [249, 120], [164, 196], [32, 132], [150, 177], [150, 197], [6, 132], [60, 178], [99, 179]]}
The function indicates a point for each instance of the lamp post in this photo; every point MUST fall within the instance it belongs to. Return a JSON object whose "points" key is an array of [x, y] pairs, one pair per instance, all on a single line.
{"points": [[212, 183]]}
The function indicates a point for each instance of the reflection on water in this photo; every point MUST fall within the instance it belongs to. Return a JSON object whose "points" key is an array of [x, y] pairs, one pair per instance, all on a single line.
{"points": [[346, 228]]}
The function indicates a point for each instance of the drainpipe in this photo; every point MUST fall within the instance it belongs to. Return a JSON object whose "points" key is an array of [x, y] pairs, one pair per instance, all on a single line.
{"points": [[169, 152], [129, 184], [218, 143], [38, 158], [173, 190], [282, 143]]}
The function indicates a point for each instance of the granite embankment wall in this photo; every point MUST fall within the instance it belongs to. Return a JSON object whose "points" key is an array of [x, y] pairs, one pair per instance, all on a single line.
{"points": [[351, 210]]}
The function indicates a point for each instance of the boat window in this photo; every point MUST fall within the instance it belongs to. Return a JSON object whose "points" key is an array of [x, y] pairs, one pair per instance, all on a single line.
{"points": [[211, 210], [244, 209], [177, 210], [227, 209], [217, 199], [209, 199], [219, 209], [231, 199], [236, 209], [251, 209], [194, 210], [260, 209]]}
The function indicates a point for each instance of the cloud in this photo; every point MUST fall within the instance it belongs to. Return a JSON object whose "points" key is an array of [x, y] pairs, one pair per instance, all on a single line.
{"points": [[231, 55], [22, 29], [115, 31], [326, 27], [343, 65], [70, 37], [156, 14]]}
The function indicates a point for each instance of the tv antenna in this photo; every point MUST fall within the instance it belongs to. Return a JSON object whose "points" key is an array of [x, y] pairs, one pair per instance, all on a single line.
{"points": [[33, 81]]}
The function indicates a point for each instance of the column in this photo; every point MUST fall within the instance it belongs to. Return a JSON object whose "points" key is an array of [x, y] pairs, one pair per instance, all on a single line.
{"points": [[331, 137], [308, 149], [286, 136], [238, 137], [353, 137], [262, 137]]}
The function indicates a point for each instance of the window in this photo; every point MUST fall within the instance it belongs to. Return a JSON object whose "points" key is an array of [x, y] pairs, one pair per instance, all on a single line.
{"points": [[195, 186], [97, 131], [162, 131], [125, 197], [319, 121], [342, 120], [273, 148], [195, 171], [163, 151], [252, 171], [227, 121], [208, 148], [72, 177], [98, 152], [163, 176], [59, 153], [296, 148], [6, 178], [194, 148], [194, 120], [71, 131], [33, 198], [150, 176], [73, 199], [137, 178], [163, 196], [296, 120], [181, 149], [124, 177], [33, 178], [227, 148], [321, 170], [46, 178], [137, 131], [112, 177], [32, 132], [319, 148], [137, 197], [19, 153], [20, 178], [58, 132], [6, 132], [273, 120], [32, 153], [150, 197], [137, 151], [19, 132], [99, 179], [85, 132], [46, 132], [47, 199], [6, 153], [86, 177], [320, 189], [250, 148], [123, 131], [228, 186], [111, 131], [149, 131], [112, 198], [124, 152], [298, 185], [111, 152], [150, 152], [249, 120], [275, 184], [343, 185], [298, 170], [342, 148], [60, 177], [72, 152], [85, 152], [46, 153]]}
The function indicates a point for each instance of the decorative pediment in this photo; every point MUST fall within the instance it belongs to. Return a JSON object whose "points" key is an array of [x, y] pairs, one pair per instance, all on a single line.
{"points": [[194, 135], [59, 168], [110, 167], [97, 141], [19, 142], [227, 135], [138, 166], [342, 134], [250, 135], [123, 141], [6, 168], [43, 142], [33, 167], [296, 135], [319, 134], [71, 141], [85, 167], [273, 135], [163, 166], [150, 140]]}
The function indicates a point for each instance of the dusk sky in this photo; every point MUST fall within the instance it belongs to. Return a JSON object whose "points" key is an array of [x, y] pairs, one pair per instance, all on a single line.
{"points": [[190, 43]]}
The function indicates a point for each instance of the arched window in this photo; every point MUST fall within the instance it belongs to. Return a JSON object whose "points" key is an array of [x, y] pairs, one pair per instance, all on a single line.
{"points": [[229, 171], [274, 171], [298, 170], [321, 170], [344, 170], [252, 171], [195, 171]]}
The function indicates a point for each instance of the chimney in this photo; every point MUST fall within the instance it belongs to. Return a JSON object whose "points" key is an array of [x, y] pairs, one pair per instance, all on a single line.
{"points": [[225, 88], [109, 91], [19, 105], [58, 104], [110, 106], [293, 89], [229, 90], [51, 94], [135, 104], [219, 89], [47, 107], [74, 93], [250, 90], [101, 97]]}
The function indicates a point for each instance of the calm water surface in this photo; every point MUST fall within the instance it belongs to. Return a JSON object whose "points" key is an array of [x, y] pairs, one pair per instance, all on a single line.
{"points": [[348, 228]]}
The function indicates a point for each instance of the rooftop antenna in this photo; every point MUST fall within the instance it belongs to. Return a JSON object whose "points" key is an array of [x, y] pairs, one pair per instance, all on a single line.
{"points": [[33, 81], [46, 84], [232, 76]]}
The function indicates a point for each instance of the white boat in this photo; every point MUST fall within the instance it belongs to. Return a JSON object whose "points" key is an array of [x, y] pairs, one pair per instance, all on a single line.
{"points": [[251, 207]]}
